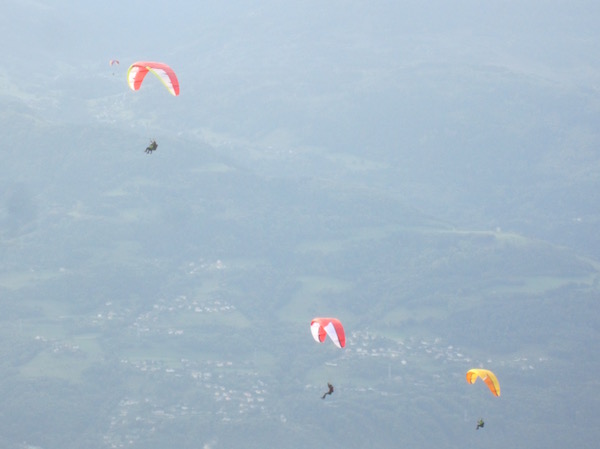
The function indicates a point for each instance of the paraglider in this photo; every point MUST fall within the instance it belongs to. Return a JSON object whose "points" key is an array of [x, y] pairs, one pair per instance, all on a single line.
{"points": [[487, 376], [330, 391], [112, 63], [480, 424], [321, 327], [152, 147], [138, 71]]}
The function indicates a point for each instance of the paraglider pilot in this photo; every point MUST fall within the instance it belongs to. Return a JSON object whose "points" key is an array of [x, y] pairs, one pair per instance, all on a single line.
{"points": [[330, 391], [152, 147], [480, 423]]}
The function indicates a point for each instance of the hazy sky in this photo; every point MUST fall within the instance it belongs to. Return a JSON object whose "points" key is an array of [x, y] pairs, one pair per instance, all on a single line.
{"points": [[558, 36]]}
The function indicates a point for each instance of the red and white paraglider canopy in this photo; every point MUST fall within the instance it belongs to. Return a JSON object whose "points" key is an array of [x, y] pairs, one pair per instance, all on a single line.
{"points": [[321, 327], [138, 71]]}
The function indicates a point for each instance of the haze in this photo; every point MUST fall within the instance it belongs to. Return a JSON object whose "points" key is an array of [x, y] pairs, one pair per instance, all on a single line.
{"points": [[427, 172]]}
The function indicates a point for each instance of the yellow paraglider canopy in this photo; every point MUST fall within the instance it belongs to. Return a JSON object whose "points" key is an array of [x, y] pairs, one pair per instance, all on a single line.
{"points": [[487, 376]]}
